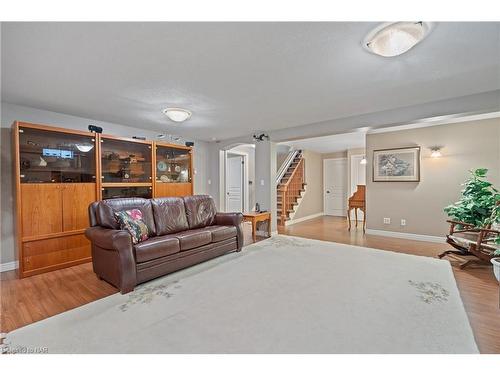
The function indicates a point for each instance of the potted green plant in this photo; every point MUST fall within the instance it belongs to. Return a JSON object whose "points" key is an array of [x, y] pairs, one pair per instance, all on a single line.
{"points": [[478, 206]]}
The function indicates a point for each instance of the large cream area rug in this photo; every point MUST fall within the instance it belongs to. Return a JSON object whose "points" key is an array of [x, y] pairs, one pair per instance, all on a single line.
{"points": [[282, 295]]}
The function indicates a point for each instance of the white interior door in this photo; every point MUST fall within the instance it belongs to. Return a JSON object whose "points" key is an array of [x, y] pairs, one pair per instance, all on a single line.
{"points": [[358, 177], [335, 186], [234, 183]]}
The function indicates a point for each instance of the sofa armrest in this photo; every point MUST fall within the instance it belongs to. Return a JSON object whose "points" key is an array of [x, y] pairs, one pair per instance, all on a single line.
{"points": [[234, 219], [228, 218], [109, 239], [118, 269]]}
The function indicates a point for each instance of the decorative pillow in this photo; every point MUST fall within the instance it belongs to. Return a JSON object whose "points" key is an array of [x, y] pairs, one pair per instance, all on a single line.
{"points": [[131, 220]]}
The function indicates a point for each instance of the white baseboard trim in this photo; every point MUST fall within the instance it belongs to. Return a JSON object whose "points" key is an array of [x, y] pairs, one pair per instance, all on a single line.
{"points": [[264, 233], [9, 266], [407, 236], [309, 217], [338, 213]]}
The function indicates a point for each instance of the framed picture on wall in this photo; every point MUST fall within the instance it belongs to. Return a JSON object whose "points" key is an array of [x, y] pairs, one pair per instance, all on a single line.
{"points": [[397, 164]]}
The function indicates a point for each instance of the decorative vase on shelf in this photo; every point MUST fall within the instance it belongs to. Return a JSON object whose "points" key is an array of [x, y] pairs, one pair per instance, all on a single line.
{"points": [[496, 268]]}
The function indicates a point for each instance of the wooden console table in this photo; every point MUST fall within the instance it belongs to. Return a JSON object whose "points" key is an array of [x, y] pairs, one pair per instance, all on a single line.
{"points": [[357, 200], [256, 217]]}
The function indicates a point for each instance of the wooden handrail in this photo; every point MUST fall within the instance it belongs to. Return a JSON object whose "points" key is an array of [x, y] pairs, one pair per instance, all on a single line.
{"points": [[301, 162], [286, 164]]}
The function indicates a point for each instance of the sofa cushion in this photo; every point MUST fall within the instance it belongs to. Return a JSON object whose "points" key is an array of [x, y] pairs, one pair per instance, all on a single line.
{"points": [[131, 220], [170, 215], [106, 212], [200, 210], [192, 238], [156, 247], [221, 232]]}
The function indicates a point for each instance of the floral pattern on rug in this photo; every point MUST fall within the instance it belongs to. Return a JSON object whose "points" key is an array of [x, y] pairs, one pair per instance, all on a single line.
{"points": [[145, 294], [283, 241], [430, 292]]}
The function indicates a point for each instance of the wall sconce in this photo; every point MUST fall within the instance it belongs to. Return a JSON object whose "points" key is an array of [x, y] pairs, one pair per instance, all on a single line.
{"points": [[436, 152], [363, 161]]}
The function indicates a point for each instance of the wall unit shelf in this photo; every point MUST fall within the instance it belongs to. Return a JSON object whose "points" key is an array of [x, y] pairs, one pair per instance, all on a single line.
{"points": [[59, 172]]}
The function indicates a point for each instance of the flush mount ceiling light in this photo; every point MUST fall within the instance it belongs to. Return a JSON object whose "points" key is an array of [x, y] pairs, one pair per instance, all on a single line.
{"points": [[177, 114], [395, 38]]}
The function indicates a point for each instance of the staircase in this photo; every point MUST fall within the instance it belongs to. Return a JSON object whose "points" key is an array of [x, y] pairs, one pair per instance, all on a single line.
{"points": [[291, 189]]}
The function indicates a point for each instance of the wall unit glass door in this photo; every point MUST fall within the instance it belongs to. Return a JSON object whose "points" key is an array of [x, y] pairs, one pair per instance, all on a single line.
{"points": [[173, 165], [173, 171], [53, 157], [125, 161], [126, 168]]}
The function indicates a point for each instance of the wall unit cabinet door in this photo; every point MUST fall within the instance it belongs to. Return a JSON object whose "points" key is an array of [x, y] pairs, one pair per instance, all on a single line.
{"points": [[75, 202], [53, 253], [173, 189], [41, 209]]}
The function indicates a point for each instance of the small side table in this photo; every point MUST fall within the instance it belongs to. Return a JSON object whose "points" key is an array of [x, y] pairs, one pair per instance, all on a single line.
{"points": [[257, 217]]}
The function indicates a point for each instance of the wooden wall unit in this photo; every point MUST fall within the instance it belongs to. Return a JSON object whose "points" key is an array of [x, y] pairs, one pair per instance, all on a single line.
{"points": [[55, 182], [59, 172]]}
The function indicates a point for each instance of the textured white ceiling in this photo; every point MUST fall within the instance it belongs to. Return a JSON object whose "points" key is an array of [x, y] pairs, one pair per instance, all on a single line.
{"points": [[330, 143], [236, 77]]}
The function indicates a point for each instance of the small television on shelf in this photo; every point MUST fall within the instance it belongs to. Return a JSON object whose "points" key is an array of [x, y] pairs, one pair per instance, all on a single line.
{"points": [[63, 154]]}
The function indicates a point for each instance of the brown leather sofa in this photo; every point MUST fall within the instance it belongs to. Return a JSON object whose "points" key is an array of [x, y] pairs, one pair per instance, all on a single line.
{"points": [[184, 231]]}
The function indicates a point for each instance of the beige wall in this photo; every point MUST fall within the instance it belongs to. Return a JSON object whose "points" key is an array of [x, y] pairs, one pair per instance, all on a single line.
{"points": [[466, 146], [312, 203], [281, 154]]}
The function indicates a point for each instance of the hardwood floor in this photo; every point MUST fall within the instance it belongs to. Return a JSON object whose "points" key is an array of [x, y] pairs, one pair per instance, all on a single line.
{"points": [[24, 301]]}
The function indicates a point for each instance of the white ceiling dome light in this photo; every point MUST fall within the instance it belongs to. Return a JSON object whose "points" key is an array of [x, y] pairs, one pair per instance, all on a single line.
{"points": [[396, 38], [177, 114]]}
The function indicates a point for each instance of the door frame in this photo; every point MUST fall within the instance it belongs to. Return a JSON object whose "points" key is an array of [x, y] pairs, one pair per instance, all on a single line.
{"points": [[324, 181], [351, 165], [245, 195], [354, 156]]}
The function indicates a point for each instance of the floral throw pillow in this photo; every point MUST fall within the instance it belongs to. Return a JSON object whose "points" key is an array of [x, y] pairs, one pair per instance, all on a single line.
{"points": [[131, 220]]}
